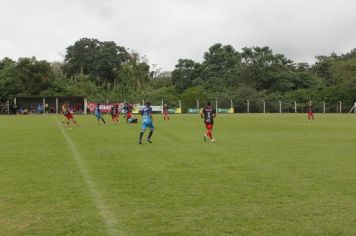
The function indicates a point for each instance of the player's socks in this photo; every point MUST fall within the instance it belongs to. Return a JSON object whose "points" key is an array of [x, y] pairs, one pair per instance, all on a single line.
{"points": [[140, 139], [149, 136], [209, 134]]}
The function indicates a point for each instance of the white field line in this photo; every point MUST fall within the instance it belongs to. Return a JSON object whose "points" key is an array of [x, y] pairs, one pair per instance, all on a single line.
{"points": [[105, 213]]}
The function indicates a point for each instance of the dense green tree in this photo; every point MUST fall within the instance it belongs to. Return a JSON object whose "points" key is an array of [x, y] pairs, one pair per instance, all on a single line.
{"points": [[100, 60], [184, 74], [191, 95], [28, 76]]}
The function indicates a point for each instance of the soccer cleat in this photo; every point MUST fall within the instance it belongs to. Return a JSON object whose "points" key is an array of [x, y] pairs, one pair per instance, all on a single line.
{"points": [[139, 142], [213, 140], [204, 137], [149, 140]]}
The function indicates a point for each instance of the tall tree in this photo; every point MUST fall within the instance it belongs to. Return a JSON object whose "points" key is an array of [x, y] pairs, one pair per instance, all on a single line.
{"points": [[100, 60], [185, 72]]}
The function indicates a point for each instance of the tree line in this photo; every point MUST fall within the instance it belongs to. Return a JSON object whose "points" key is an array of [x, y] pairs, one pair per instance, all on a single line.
{"points": [[107, 71]]}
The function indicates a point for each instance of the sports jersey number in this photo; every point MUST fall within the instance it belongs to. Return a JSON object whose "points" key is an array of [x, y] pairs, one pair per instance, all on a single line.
{"points": [[208, 116]]}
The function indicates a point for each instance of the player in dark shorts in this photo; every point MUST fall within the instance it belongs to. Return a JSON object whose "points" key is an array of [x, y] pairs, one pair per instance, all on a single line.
{"points": [[129, 108], [310, 111], [165, 112], [208, 114], [115, 114], [147, 122]]}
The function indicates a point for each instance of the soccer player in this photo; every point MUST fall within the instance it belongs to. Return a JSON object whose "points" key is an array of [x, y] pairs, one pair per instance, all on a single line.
{"points": [[115, 114], [129, 108], [310, 111], [98, 114], [208, 114], [63, 108], [146, 122], [165, 112], [68, 114]]}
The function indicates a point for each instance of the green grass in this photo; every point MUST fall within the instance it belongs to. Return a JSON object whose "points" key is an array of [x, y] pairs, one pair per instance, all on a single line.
{"points": [[265, 175]]}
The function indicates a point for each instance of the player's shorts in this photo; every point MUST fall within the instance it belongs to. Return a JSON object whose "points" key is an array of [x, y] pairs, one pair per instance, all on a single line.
{"points": [[165, 113], [147, 124], [128, 115], [310, 113], [97, 115], [209, 126], [69, 116]]}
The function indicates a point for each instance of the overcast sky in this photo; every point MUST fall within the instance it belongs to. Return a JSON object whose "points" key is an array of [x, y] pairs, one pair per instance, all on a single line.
{"points": [[166, 30]]}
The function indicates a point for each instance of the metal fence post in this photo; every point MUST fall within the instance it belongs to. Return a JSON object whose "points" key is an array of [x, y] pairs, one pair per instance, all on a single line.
{"points": [[85, 106], [44, 105], [295, 107], [56, 105], [324, 105], [8, 107]]}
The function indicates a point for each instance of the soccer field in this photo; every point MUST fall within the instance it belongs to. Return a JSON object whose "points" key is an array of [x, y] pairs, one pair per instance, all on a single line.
{"points": [[265, 175]]}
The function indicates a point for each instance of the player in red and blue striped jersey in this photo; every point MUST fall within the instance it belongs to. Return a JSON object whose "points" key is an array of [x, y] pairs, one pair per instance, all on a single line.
{"points": [[208, 114], [115, 114]]}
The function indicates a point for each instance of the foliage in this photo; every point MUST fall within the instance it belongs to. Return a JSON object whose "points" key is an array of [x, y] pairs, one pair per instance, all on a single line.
{"points": [[104, 70], [191, 95]]}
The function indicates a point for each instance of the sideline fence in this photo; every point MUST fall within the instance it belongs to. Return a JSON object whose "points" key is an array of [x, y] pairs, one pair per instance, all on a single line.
{"points": [[226, 106]]}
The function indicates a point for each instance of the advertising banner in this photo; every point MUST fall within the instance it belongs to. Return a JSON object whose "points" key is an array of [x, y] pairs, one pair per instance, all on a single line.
{"points": [[226, 110], [105, 108], [194, 110]]}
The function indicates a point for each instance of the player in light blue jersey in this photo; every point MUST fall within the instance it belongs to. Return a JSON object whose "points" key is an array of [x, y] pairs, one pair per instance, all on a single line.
{"points": [[146, 122], [98, 115]]}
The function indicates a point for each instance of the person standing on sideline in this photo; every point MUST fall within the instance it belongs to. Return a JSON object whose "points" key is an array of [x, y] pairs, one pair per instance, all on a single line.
{"points": [[208, 114], [310, 111], [165, 112], [147, 122]]}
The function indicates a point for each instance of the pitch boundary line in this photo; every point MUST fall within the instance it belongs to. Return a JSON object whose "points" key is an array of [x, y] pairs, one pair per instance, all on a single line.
{"points": [[105, 213]]}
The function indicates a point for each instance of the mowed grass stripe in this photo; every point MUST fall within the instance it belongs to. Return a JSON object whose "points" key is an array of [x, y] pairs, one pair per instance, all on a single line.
{"points": [[106, 214]]}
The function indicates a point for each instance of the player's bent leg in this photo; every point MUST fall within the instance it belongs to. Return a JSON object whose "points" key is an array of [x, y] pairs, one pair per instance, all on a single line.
{"points": [[103, 119], [150, 134], [141, 134]]}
